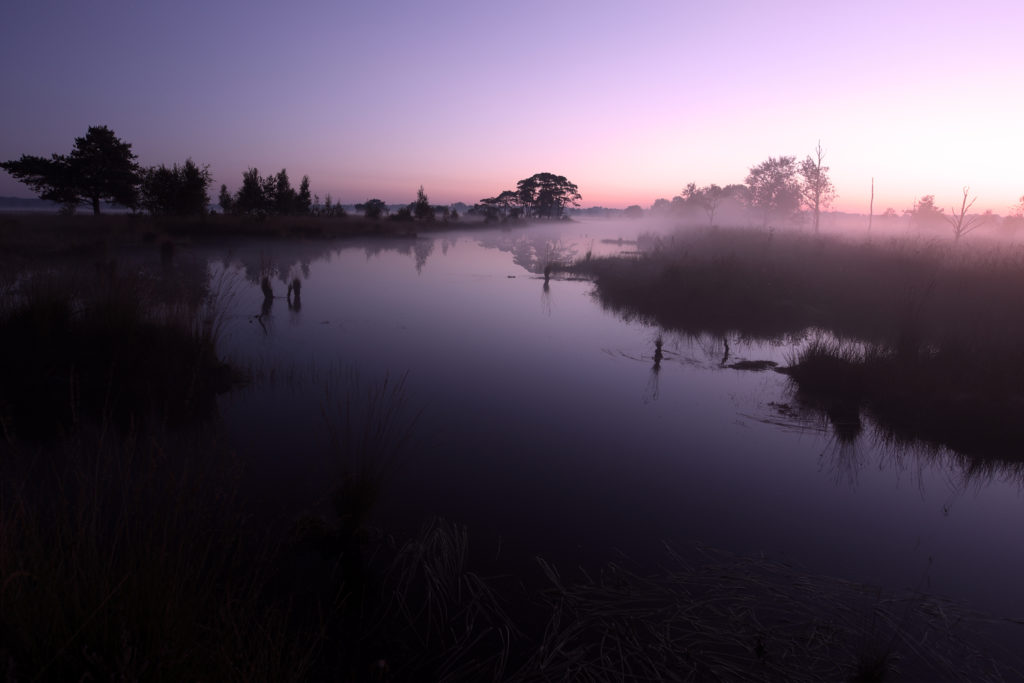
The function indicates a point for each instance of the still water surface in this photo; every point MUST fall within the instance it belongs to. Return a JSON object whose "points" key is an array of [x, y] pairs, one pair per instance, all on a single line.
{"points": [[547, 430]]}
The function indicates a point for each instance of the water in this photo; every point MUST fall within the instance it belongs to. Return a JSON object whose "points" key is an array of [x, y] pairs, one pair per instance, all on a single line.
{"points": [[547, 430]]}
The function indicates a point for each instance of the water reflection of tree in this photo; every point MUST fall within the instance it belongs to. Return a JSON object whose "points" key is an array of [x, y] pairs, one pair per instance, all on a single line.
{"points": [[531, 252], [422, 249]]}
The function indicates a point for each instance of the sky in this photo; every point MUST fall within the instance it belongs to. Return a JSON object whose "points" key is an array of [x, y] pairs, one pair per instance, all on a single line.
{"points": [[630, 101]]}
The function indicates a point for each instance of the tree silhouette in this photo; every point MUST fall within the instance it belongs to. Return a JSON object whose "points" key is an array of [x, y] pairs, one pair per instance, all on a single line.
{"points": [[421, 208], [773, 188], [225, 200], [250, 198], [545, 195], [372, 208], [505, 205], [710, 197], [303, 202], [284, 197], [925, 214], [101, 167], [176, 191], [961, 223], [816, 189]]}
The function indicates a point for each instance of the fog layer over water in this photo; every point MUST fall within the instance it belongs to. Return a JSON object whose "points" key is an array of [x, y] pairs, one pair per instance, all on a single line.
{"points": [[549, 427]]}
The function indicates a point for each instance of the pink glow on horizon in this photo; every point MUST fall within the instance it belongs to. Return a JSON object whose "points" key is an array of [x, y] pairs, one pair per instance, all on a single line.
{"points": [[630, 103]]}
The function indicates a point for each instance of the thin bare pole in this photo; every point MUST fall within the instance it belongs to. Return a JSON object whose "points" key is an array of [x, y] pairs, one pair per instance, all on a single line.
{"points": [[871, 209]]}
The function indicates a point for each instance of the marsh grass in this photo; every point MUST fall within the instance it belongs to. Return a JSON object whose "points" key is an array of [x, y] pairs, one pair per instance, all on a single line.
{"points": [[929, 332], [948, 396], [110, 346], [128, 558]]}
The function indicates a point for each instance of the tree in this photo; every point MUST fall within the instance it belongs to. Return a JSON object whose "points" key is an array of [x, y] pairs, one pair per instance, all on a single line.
{"points": [[925, 214], [104, 168], [1014, 221], [661, 205], [250, 198], [224, 199], [421, 208], [303, 202], [176, 191], [773, 188], [545, 195], [283, 198], [634, 211], [816, 189], [101, 167], [503, 206], [961, 223], [706, 198], [372, 208], [1018, 210]]}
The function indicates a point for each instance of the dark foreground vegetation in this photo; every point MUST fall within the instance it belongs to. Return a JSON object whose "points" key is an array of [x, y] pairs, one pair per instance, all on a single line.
{"points": [[924, 335]]}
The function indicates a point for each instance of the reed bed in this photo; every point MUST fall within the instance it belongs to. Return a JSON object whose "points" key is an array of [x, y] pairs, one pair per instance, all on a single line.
{"points": [[936, 322]]}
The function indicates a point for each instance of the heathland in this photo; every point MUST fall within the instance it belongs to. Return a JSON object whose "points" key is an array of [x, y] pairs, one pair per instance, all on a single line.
{"points": [[127, 551]]}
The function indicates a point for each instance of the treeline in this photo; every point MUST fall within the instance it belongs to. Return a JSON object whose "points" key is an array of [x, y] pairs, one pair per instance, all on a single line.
{"points": [[783, 190], [778, 189], [103, 168], [272, 195], [542, 195], [420, 210]]}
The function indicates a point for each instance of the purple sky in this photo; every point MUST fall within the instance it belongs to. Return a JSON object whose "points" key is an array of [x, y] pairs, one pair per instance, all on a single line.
{"points": [[373, 99]]}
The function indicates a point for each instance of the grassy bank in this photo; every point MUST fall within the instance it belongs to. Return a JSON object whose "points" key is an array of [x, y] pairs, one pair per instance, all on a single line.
{"points": [[34, 233], [940, 320]]}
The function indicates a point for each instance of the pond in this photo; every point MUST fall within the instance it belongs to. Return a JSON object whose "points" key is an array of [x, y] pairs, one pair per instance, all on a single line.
{"points": [[547, 426]]}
